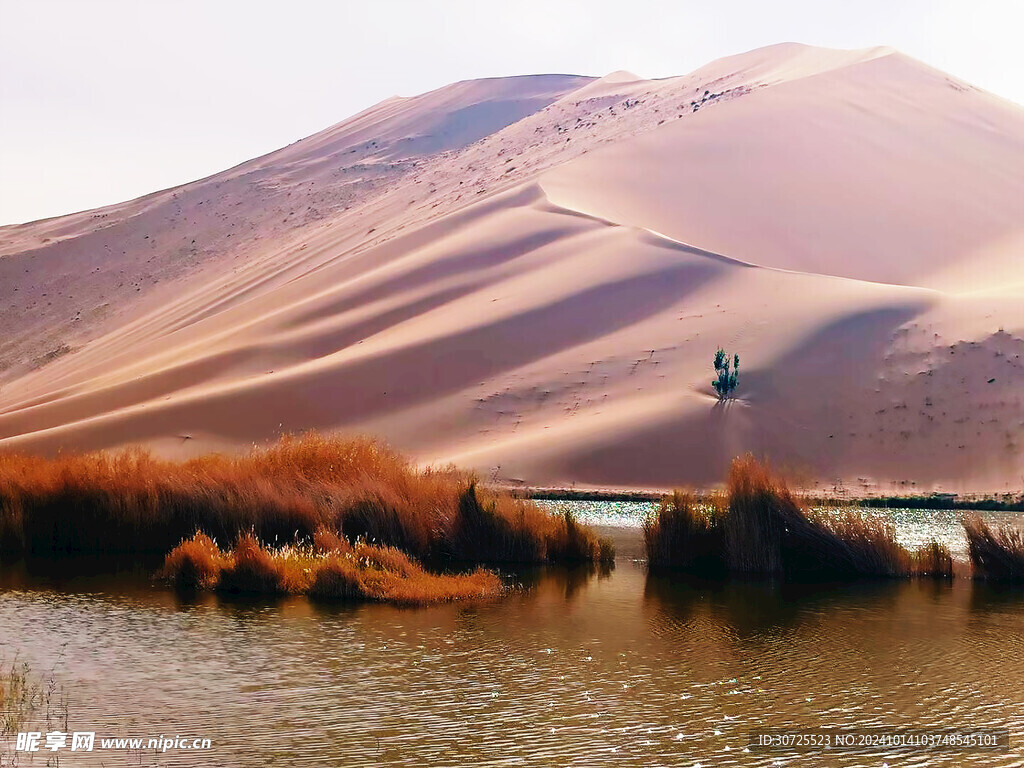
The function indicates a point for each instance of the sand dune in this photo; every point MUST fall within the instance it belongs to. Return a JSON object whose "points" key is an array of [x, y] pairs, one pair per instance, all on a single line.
{"points": [[882, 170], [530, 276]]}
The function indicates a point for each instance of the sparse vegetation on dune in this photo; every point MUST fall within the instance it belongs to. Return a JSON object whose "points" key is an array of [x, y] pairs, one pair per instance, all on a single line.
{"points": [[330, 567], [726, 381], [996, 554], [760, 528], [130, 502]]}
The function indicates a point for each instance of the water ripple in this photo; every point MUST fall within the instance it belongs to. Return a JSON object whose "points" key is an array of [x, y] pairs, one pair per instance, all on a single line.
{"points": [[576, 671]]}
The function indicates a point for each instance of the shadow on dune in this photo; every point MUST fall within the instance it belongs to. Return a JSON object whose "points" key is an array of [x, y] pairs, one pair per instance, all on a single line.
{"points": [[454, 362], [777, 416], [405, 377]]}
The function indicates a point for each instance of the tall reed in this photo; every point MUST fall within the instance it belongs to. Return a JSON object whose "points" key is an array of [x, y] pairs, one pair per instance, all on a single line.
{"points": [[933, 560], [28, 701], [996, 554], [686, 534], [132, 502], [760, 528]]}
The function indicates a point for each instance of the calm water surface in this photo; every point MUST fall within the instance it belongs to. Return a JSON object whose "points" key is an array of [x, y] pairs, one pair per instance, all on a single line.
{"points": [[579, 669]]}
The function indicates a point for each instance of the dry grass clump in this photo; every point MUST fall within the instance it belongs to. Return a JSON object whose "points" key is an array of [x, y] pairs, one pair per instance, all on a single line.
{"points": [[330, 568], [337, 578], [869, 544], [251, 568], [575, 543], [686, 534], [760, 511], [132, 503], [326, 541], [500, 528], [760, 528], [195, 563], [997, 555], [769, 531], [933, 560]]}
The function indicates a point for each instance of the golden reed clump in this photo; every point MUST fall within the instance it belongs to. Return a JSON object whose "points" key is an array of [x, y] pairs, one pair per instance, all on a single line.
{"points": [[331, 568], [996, 554], [130, 502], [760, 528], [686, 534], [194, 564]]}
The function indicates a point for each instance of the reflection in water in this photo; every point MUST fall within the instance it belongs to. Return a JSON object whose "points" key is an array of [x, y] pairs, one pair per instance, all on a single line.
{"points": [[888, 653], [578, 668]]}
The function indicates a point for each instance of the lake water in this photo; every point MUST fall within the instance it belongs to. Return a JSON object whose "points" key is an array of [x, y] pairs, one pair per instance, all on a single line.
{"points": [[577, 669]]}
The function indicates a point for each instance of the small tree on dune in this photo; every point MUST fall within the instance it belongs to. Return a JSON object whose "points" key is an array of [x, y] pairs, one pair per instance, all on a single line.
{"points": [[727, 379]]}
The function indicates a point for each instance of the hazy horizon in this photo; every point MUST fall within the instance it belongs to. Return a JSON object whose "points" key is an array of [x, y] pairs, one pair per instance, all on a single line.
{"points": [[108, 101]]}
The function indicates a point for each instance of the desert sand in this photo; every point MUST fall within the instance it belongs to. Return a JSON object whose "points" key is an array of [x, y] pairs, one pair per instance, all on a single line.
{"points": [[529, 276]]}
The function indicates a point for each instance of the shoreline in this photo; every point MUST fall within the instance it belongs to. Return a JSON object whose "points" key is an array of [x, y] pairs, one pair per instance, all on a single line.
{"points": [[938, 501]]}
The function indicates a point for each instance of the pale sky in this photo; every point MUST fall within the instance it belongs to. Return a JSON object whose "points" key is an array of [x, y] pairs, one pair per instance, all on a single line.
{"points": [[106, 100]]}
